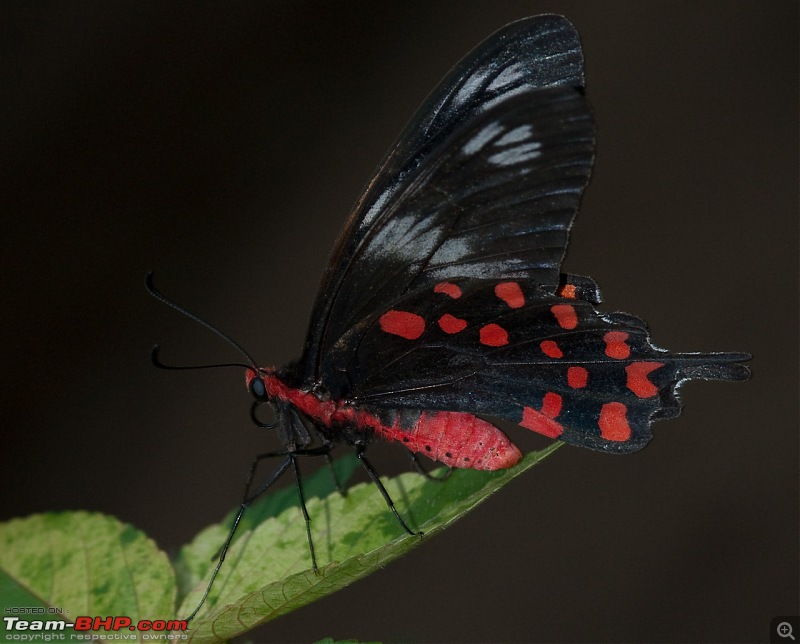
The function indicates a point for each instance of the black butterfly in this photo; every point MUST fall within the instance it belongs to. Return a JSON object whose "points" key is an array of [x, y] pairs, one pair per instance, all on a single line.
{"points": [[444, 298]]}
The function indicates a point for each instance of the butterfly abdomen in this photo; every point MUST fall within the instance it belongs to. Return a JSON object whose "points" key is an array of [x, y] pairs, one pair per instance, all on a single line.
{"points": [[456, 439]]}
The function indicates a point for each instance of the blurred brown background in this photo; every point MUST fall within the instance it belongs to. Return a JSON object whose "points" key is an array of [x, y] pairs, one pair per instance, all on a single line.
{"points": [[222, 146]]}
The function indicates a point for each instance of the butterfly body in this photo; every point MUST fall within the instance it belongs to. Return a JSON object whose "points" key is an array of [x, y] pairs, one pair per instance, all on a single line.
{"points": [[457, 439]]}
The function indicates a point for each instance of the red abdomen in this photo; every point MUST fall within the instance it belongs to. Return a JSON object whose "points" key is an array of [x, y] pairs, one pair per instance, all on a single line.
{"points": [[454, 438]]}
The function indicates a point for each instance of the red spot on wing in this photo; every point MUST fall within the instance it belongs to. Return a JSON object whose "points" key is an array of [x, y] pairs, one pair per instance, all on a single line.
{"points": [[494, 335], [407, 325], [451, 324], [613, 422], [551, 404], [577, 377], [565, 314], [638, 382], [567, 291], [616, 345], [448, 288], [510, 293], [540, 423], [551, 349]]}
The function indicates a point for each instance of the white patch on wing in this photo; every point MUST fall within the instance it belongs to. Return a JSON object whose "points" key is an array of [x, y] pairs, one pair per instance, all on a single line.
{"points": [[517, 154], [510, 267], [407, 239], [511, 74], [519, 133], [452, 250], [504, 97], [485, 135], [375, 210], [468, 91]]}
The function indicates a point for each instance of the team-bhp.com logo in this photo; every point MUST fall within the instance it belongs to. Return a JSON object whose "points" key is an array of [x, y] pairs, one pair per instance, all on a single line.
{"points": [[33, 629], [120, 623]]}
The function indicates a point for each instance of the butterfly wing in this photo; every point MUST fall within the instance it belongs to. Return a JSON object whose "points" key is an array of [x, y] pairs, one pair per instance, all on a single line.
{"points": [[496, 201], [445, 291], [552, 364], [536, 53]]}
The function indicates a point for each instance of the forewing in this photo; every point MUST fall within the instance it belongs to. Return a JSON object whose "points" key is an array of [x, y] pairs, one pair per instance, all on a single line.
{"points": [[551, 364], [526, 56], [496, 201]]}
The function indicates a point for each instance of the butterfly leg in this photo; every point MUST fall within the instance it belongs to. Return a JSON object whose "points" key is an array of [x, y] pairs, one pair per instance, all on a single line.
{"points": [[306, 518], [247, 498], [321, 450], [377, 481], [342, 490], [418, 466], [328, 444]]}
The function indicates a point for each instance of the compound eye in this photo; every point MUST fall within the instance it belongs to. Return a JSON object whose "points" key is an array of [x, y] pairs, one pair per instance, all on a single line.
{"points": [[257, 389]]}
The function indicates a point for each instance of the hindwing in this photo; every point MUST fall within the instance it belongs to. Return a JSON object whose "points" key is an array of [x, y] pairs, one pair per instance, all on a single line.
{"points": [[552, 364]]}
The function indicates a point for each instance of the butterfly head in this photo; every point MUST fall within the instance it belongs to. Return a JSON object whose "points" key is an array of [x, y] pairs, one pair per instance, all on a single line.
{"points": [[261, 385], [256, 380]]}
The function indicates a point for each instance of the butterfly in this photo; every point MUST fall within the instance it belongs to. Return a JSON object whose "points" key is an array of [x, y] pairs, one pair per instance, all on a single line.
{"points": [[444, 305]]}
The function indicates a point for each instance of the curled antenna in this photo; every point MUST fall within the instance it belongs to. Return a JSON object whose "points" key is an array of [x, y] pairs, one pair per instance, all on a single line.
{"points": [[148, 282], [161, 365]]}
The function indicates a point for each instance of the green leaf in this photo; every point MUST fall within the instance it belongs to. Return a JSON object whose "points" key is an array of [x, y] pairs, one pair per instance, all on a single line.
{"points": [[81, 563], [194, 559], [267, 571]]}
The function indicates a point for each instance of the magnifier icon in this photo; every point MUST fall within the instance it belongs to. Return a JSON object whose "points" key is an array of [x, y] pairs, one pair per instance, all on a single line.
{"points": [[785, 630]]}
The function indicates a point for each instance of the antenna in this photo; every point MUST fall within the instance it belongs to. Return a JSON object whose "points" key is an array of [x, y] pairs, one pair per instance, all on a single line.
{"points": [[151, 288]]}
